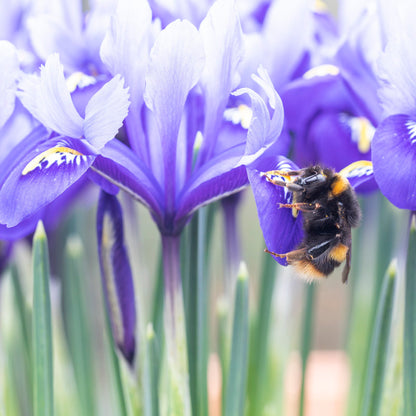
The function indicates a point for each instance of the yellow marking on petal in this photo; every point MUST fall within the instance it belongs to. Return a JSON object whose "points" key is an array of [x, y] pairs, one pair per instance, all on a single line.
{"points": [[241, 115], [321, 71], [339, 252], [320, 6], [340, 185], [35, 162], [246, 114], [355, 165], [366, 134]]}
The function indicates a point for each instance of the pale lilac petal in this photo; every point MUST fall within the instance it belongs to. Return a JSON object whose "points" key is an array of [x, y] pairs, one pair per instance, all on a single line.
{"points": [[49, 101], [263, 130], [177, 60], [50, 34], [105, 112], [223, 46], [283, 45], [126, 46], [9, 70]]}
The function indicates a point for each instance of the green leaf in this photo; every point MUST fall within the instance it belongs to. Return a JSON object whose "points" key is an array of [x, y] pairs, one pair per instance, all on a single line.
{"points": [[259, 340], [42, 328], [377, 357], [77, 324], [151, 388], [235, 392], [410, 324]]}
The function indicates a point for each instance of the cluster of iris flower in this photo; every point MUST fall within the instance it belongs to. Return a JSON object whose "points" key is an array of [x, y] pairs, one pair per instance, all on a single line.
{"points": [[179, 105]]}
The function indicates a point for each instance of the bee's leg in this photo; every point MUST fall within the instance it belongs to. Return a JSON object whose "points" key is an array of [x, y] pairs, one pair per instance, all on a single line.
{"points": [[347, 266], [293, 187], [301, 206], [291, 256], [284, 173]]}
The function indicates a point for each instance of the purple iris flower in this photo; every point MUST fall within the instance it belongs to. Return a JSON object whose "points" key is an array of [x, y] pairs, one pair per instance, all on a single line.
{"points": [[393, 146], [54, 156], [64, 28]]}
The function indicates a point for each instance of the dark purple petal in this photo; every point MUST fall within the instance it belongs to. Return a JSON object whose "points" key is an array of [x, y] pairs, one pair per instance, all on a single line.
{"points": [[116, 274], [281, 231], [123, 168], [360, 175], [216, 179], [393, 152], [40, 175], [339, 139]]}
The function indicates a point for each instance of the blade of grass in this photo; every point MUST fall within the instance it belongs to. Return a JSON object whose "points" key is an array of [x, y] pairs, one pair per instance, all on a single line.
{"points": [[42, 328], [410, 324], [152, 373], [375, 374], [235, 392], [77, 325], [260, 338], [306, 342]]}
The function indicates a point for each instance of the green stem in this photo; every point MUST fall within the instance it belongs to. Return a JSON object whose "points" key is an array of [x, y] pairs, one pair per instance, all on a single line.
{"points": [[410, 324], [174, 319]]}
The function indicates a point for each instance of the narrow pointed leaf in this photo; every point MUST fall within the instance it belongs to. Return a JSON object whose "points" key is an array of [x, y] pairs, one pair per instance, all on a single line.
{"points": [[42, 330], [373, 387], [235, 392], [410, 325]]}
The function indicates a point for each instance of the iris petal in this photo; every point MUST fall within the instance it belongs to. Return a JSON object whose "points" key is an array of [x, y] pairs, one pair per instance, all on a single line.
{"points": [[105, 112], [49, 101], [116, 274], [9, 68], [177, 60], [43, 173], [393, 152], [281, 231]]}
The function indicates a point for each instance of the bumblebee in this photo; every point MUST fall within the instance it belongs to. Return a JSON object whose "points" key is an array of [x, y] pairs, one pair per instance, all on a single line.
{"points": [[329, 209]]}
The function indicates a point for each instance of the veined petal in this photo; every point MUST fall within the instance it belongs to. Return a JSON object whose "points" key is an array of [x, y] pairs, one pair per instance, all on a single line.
{"points": [[177, 60], [393, 152], [105, 112], [282, 232], [217, 178], [49, 34], [116, 274], [125, 49], [263, 131], [49, 101], [223, 45], [359, 173], [41, 174], [9, 70], [118, 164]]}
